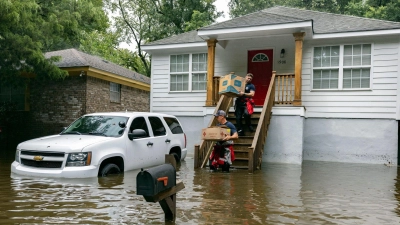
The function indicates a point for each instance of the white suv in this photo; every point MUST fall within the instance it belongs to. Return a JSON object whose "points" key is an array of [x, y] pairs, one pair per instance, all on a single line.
{"points": [[99, 144]]}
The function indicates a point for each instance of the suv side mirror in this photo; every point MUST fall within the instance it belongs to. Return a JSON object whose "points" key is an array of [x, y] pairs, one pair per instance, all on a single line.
{"points": [[137, 133]]}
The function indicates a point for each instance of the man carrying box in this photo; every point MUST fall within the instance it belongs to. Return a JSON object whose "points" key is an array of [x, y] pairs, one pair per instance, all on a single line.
{"points": [[241, 105], [223, 154]]}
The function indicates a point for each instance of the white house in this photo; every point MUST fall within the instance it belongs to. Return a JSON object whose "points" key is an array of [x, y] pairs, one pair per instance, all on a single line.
{"points": [[344, 105]]}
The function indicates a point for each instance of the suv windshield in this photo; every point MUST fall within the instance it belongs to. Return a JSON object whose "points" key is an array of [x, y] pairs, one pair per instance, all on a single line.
{"points": [[110, 126]]}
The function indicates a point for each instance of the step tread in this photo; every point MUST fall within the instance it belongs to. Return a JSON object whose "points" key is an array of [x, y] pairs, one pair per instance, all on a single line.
{"points": [[242, 158], [240, 167]]}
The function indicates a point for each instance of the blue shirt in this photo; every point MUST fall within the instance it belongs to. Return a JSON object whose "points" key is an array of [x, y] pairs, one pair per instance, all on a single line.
{"points": [[249, 87], [242, 99], [230, 126]]}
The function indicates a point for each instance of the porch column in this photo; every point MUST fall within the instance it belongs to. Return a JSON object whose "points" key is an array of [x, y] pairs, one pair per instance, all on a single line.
{"points": [[211, 43], [297, 67]]}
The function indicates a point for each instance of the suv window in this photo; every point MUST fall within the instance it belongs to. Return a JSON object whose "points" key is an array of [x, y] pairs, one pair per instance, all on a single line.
{"points": [[139, 123], [174, 125], [157, 126]]}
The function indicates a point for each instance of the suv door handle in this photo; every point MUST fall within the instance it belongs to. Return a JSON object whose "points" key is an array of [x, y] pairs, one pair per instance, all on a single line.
{"points": [[167, 141], [149, 143]]}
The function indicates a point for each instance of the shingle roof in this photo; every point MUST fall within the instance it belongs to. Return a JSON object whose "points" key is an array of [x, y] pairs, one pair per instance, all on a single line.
{"points": [[259, 18], [188, 37], [74, 58], [323, 23]]}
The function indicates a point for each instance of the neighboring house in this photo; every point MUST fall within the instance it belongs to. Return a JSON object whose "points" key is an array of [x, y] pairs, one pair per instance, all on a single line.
{"points": [[93, 85], [344, 104]]}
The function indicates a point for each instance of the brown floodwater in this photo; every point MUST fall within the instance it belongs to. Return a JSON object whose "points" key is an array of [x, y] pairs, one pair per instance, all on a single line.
{"points": [[312, 193]]}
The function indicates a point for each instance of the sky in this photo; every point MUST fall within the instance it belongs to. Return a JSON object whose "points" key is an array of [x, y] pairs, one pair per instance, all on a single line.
{"points": [[222, 5]]}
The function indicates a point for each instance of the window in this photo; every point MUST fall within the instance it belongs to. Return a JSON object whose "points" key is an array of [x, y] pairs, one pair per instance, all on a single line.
{"points": [[13, 95], [188, 72], [260, 57], [115, 92], [342, 67], [109, 126], [139, 123], [174, 125], [157, 126]]}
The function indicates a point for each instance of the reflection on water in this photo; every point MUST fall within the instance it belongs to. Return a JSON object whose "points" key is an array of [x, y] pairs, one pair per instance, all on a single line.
{"points": [[313, 193]]}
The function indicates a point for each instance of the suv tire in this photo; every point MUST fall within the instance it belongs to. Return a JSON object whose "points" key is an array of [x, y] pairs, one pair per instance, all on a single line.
{"points": [[110, 168], [176, 156]]}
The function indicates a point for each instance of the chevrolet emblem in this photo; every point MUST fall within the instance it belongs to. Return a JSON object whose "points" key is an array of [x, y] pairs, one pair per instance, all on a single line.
{"points": [[38, 158]]}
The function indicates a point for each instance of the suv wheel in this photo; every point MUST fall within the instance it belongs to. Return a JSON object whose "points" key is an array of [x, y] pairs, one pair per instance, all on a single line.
{"points": [[176, 156], [110, 168]]}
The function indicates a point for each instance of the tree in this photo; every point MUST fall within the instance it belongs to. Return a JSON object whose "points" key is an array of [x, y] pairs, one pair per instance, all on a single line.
{"points": [[243, 7], [384, 10], [106, 45], [143, 21], [29, 28]]}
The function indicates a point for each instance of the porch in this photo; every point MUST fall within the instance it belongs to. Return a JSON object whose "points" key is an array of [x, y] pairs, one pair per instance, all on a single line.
{"points": [[249, 149]]}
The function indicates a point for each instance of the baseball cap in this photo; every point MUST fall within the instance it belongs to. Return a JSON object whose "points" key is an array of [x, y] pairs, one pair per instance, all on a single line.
{"points": [[220, 113]]}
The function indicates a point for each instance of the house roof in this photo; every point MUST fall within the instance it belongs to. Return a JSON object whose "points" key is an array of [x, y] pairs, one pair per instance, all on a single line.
{"points": [[73, 58], [188, 37], [322, 23]]}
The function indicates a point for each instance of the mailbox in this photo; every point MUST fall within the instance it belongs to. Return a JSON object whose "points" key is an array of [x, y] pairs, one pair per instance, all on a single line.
{"points": [[154, 180]]}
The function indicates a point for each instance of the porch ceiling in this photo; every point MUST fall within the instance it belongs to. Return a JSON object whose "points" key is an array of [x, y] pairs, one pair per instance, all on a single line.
{"points": [[258, 31]]}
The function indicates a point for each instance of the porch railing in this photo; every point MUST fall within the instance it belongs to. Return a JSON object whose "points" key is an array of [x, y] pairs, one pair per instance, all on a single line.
{"points": [[257, 147], [280, 92], [284, 89]]}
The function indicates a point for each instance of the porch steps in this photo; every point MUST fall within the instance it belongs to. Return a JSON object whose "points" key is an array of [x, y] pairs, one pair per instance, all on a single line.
{"points": [[242, 144]]}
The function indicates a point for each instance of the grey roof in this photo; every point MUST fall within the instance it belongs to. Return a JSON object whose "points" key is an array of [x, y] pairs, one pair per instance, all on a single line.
{"points": [[73, 58], [259, 18], [323, 23], [188, 37]]}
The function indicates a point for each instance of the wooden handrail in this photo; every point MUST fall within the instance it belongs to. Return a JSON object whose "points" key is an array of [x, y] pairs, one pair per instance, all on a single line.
{"points": [[215, 90], [203, 150], [257, 147]]}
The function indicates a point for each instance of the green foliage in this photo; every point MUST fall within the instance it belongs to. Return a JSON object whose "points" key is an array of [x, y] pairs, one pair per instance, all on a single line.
{"points": [[106, 45], [198, 20], [143, 21], [30, 27], [242, 7], [385, 11]]}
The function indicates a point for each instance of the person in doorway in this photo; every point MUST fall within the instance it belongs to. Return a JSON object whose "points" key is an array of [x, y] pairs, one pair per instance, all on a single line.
{"points": [[223, 154], [241, 105]]}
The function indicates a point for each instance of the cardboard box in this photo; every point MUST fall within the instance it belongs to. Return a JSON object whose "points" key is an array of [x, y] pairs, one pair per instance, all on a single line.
{"points": [[231, 84], [214, 133]]}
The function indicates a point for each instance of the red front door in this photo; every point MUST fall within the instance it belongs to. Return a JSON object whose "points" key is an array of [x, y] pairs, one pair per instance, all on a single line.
{"points": [[259, 63]]}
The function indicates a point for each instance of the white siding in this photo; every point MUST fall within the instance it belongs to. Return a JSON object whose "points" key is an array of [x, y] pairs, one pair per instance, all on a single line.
{"points": [[175, 103], [231, 58], [379, 102]]}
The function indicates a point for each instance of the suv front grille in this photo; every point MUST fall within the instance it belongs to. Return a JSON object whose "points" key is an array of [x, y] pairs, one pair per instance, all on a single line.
{"points": [[54, 154], [41, 164], [57, 163]]}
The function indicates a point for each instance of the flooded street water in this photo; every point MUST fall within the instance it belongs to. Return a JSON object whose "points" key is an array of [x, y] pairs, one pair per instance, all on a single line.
{"points": [[313, 193]]}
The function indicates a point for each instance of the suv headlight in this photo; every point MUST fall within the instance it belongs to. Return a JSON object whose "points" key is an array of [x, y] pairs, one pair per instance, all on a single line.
{"points": [[17, 155], [79, 159]]}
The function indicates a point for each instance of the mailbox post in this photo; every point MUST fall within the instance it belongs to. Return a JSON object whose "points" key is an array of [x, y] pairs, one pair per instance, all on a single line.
{"points": [[158, 184]]}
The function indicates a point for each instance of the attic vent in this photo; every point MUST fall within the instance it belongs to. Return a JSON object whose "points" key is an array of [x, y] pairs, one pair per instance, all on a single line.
{"points": [[260, 57]]}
